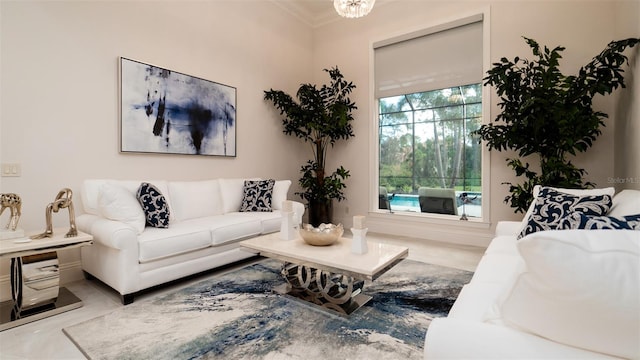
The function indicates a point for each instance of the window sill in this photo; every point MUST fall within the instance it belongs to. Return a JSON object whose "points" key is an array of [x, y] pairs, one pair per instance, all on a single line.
{"points": [[435, 227], [425, 218]]}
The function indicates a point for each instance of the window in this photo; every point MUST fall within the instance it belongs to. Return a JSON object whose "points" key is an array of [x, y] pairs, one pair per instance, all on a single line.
{"points": [[430, 98]]}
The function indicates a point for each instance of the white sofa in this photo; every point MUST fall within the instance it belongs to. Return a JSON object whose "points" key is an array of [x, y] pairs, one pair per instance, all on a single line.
{"points": [[553, 294], [205, 226]]}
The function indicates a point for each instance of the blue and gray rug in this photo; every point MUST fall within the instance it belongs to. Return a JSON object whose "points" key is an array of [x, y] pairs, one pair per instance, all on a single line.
{"points": [[237, 316]]}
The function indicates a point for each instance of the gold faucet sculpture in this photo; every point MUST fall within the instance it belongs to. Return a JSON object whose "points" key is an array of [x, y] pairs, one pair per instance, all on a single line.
{"points": [[63, 200]]}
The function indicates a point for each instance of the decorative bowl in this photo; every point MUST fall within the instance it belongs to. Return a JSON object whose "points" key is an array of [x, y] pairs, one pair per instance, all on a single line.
{"points": [[323, 235]]}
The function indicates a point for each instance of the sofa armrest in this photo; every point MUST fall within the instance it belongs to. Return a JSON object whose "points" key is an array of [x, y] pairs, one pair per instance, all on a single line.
{"points": [[508, 228], [109, 233]]}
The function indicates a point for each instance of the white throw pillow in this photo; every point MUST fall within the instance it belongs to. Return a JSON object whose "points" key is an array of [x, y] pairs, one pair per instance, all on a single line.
{"points": [[280, 190], [119, 204], [195, 199], [626, 202], [580, 288]]}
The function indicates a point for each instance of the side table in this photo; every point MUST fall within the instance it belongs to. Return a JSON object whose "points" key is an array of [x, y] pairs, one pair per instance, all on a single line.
{"points": [[35, 290]]}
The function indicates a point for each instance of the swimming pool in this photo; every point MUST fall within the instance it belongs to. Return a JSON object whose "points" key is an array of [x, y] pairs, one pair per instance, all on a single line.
{"points": [[405, 200], [410, 202]]}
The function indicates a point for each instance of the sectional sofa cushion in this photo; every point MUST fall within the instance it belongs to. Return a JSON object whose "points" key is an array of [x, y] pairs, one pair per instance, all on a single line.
{"points": [[179, 238], [625, 203], [232, 227], [154, 205], [117, 203], [551, 206], [580, 288], [195, 199], [257, 195]]}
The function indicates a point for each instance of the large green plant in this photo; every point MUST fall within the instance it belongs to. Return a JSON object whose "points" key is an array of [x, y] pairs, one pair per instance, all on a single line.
{"points": [[320, 117], [549, 115]]}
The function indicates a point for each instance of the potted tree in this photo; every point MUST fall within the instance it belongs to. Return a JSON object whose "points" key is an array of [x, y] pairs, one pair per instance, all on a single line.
{"points": [[320, 117], [548, 116]]}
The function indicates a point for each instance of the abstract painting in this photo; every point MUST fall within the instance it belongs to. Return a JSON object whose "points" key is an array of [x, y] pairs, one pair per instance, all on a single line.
{"points": [[164, 111]]}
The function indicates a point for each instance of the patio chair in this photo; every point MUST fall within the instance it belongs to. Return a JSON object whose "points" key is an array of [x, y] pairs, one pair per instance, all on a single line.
{"points": [[437, 200]]}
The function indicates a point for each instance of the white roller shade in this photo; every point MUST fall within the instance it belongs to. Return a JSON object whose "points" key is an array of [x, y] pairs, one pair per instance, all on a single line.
{"points": [[436, 58]]}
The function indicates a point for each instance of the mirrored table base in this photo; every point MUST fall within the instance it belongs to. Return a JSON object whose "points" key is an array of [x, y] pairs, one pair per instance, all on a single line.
{"points": [[9, 319]]}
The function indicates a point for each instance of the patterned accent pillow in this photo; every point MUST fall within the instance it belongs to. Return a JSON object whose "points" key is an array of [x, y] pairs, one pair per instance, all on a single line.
{"points": [[582, 221], [154, 205], [553, 206], [257, 195]]}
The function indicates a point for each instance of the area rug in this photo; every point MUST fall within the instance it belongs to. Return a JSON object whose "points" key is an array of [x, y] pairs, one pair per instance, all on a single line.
{"points": [[237, 316]]}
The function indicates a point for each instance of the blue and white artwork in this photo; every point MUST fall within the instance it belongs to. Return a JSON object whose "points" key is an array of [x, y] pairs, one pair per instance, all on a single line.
{"points": [[164, 111]]}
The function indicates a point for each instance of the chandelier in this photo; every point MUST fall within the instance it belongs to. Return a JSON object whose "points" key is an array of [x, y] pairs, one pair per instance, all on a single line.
{"points": [[353, 8]]}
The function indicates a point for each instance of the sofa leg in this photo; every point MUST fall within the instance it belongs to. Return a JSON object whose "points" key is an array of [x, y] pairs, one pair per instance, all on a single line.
{"points": [[87, 276], [127, 299]]}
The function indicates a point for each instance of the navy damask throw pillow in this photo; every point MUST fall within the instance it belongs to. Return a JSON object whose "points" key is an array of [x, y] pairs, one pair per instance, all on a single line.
{"points": [[582, 221], [553, 206], [154, 205], [257, 195]]}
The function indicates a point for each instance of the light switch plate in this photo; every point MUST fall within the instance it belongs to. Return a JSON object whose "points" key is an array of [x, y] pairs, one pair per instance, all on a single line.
{"points": [[12, 169]]}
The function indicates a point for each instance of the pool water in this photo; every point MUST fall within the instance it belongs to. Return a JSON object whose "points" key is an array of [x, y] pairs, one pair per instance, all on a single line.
{"points": [[407, 200]]}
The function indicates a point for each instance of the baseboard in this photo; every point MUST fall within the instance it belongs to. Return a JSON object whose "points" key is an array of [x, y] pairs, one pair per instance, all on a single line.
{"points": [[69, 272]]}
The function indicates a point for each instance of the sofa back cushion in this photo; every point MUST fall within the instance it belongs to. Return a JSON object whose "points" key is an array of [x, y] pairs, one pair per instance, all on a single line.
{"points": [[626, 202], [91, 190], [231, 191], [195, 199]]}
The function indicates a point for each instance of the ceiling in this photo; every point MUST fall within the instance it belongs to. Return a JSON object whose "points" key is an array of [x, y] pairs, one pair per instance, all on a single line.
{"points": [[316, 12], [312, 12]]}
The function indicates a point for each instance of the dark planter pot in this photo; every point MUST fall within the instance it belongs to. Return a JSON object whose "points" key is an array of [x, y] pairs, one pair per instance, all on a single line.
{"points": [[320, 212]]}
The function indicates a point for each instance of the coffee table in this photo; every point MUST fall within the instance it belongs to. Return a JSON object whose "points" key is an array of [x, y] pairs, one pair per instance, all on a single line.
{"points": [[331, 277]]}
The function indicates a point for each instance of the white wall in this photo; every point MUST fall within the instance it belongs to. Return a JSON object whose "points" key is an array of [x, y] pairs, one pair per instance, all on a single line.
{"points": [[59, 91], [584, 28], [60, 88], [627, 131]]}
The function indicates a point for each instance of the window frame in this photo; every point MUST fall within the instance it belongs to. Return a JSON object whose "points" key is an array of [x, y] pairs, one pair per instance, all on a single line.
{"points": [[374, 152]]}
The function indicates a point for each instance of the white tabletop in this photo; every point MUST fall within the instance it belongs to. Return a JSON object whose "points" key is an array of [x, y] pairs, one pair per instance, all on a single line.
{"points": [[338, 256], [25, 246]]}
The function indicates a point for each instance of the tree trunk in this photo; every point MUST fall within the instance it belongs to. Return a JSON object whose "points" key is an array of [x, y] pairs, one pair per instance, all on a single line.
{"points": [[436, 144]]}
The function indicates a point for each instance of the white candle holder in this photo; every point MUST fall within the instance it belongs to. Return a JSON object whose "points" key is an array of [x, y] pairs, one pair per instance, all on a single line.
{"points": [[287, 227], [359, 242]]}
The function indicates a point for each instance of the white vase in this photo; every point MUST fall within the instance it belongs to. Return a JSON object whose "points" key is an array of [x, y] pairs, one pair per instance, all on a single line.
{"points": [[359, 242], [287, 227]]}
